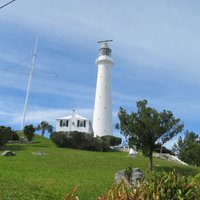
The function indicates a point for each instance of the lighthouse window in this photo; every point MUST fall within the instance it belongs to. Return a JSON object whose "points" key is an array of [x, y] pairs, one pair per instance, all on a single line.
{"points": [[105, 51]]}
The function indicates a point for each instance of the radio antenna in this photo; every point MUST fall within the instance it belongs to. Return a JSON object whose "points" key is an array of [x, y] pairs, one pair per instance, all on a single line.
{"points": [[103, 41], [7, 4]]}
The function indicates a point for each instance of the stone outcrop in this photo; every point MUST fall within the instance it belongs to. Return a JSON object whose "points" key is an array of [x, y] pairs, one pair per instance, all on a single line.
{"points": [[169, 157], [8, 153], [136, 175], [39, 153]]}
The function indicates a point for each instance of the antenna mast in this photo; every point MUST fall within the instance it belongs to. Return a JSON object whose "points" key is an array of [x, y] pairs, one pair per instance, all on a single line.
{"points": [[29, 82], [105, 41], [7, 4]]}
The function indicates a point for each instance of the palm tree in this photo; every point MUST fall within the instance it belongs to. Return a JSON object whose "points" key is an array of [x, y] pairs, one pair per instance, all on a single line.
{"points": [[45, 126]]}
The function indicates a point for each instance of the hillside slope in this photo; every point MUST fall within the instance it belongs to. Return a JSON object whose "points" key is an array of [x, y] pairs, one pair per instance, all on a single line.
{"points": [[50, 176]]}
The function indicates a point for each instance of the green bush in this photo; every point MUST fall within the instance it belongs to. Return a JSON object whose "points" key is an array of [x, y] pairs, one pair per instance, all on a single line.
{"points": [[111, 140], [128, 172], [15, 136], [78, 140], [29, 132], [5, 135], [158, 147]]}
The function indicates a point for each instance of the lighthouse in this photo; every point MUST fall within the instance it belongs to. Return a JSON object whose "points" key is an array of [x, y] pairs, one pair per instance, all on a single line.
{"points": [[102, 118]]}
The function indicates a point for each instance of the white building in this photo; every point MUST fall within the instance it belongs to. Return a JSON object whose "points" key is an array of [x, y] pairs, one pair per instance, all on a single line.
{"points": [[74, 122], [102, 118]]}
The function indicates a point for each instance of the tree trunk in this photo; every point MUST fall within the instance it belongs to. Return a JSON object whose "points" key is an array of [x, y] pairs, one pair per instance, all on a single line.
{"points": [[150, 164], [161, 149]]}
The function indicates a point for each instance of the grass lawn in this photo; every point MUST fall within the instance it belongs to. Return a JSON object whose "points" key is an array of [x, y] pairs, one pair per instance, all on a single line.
{"points": [[27, 176]]}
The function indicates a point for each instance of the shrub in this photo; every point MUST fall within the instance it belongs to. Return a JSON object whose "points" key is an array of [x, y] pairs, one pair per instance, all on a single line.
{"points": [[5, 135], [128, 172], [111, 140], [132, 141], [158, 147], [15, 136], [162, 186], [156, 186], [29, 131], [78, 140]]}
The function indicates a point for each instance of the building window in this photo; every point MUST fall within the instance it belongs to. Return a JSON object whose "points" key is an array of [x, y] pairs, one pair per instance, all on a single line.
{"points": [[81, 123], [64, 123]]}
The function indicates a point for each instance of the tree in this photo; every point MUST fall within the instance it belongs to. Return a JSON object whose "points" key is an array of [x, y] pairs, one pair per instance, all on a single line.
{"points": [[29, 131], [111, 140], [188, 149], [5, 135], [45, 126], [147, 125]]}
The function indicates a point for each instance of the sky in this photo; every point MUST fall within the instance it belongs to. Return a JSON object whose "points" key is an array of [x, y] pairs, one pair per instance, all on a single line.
{"points": [[155, 49]]}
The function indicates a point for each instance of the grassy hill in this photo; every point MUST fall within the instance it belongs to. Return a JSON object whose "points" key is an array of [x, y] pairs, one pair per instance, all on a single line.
{"points": [[51, 176]]}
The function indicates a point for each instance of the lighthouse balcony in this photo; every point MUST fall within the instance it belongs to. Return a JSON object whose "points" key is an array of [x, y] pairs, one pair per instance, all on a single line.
{"points": [[104, 58]]}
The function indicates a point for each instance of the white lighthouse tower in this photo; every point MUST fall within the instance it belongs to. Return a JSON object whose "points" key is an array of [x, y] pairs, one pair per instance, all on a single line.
{"points": [[102, 118]]}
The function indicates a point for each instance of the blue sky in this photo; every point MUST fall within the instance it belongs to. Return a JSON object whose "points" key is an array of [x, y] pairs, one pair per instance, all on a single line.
{"points": [[155, 50]]}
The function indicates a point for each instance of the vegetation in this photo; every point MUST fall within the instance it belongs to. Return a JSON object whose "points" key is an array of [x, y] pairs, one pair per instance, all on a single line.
{"points": [[188, 149], [6, 134], [78, 140], [158, 148], [128, 172], [111, 140], [162, 186], [15, 136], [133, 141], [148, 126], [51, 176], [29, 131], [45, 126]]}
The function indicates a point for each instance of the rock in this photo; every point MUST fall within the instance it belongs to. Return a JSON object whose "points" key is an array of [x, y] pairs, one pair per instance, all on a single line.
{"points": [[39, 153], [8, 153], [120, 176], [136, 176], [169, 157], [23, 140]]}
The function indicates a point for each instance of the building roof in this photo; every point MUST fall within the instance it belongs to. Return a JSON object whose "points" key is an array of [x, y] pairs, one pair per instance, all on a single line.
{"points": [[75, 116]]}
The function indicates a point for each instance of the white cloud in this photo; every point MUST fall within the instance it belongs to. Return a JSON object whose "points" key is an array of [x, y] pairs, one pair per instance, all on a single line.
{"points": [[43, 114], [149, 33], [154, 42]]}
